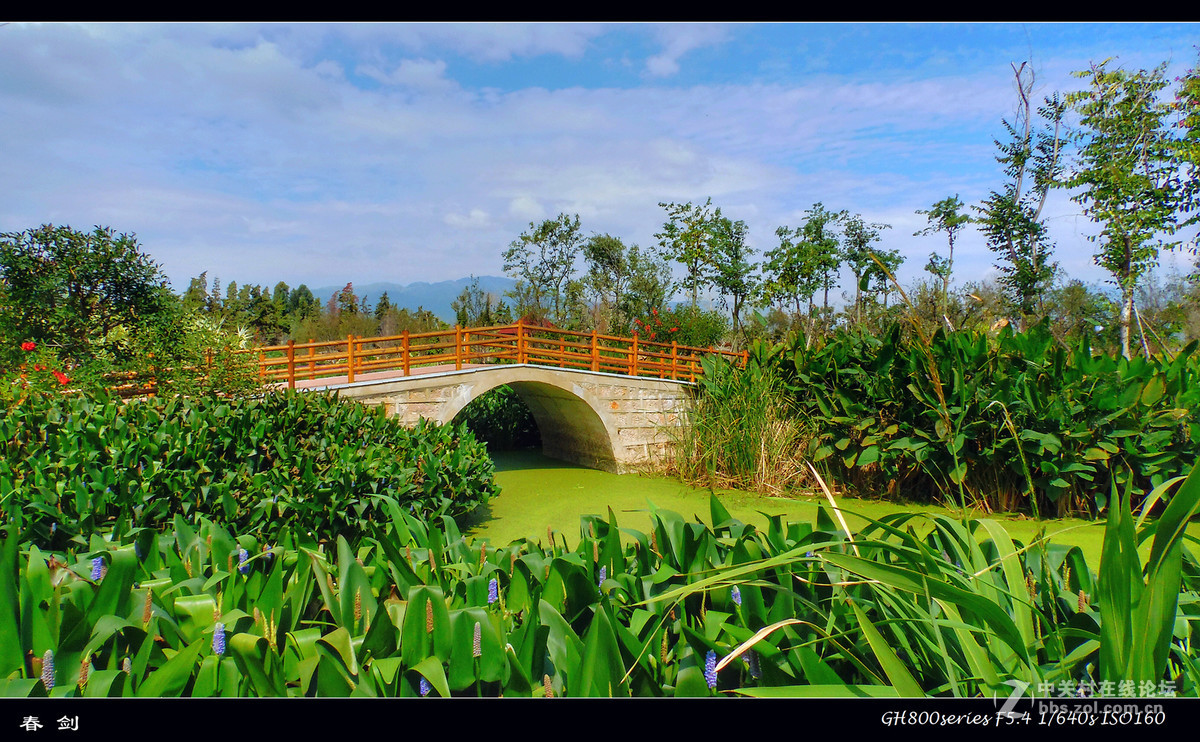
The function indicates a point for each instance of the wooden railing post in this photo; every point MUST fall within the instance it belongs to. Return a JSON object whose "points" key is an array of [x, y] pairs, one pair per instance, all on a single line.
{"points": [[291, 356], [633, 360], [674, 360], [404, 353], [458, 337], [262, 367], [312, 358], [745, 357], [595, 353], [520, 341], [349, 359]]}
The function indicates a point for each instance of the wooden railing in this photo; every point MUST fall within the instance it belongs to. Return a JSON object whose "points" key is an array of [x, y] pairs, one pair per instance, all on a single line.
{"points": [[519, 343]]}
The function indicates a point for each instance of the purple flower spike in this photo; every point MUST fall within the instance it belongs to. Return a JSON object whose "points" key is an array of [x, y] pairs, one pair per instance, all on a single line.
{"points": [[425, 687], [710, 668], [603, 576], [736, 594], [493, 591], [97, 568], [243, 557], [219, 639]]}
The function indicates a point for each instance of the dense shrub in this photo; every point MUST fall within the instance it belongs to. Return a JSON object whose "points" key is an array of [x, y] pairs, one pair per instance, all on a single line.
{"points": [[71, 466], [698, 328], [1011, 421]]}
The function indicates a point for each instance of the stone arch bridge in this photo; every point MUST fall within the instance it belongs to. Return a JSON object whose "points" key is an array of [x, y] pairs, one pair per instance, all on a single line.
{"points": [[607, 402]]}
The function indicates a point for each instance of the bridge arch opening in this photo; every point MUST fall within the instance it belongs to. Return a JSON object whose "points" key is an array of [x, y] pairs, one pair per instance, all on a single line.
{"points": [[502, 420], [569, 427]]}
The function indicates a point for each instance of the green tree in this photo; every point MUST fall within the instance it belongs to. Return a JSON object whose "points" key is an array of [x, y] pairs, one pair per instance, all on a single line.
{"points": [[215, 304], [880, 275], [383, 306], [1011, 218], [650, 287], [89, 294], [1074, 309], [857, 238], [1125, 174], [231, 307], [347, 300], [302, 304], [687, 238], [196, 296], [805, 262], [945, 217], [607, 278], [543, 259], [732, 273], [473, 306], [279, 297]]}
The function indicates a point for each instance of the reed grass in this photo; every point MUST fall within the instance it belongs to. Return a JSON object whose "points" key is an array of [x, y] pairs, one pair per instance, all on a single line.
{"points": [[741, 433]]}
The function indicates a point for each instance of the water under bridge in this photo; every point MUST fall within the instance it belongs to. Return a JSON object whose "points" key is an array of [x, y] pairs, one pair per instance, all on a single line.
{"points": [[602, 401]]}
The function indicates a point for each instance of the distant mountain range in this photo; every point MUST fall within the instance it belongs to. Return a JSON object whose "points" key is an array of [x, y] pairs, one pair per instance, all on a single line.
{"points": [[436, 297]]}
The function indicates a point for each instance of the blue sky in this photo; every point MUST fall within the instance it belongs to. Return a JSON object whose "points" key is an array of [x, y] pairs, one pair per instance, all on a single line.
{"points": [[321, 154]]}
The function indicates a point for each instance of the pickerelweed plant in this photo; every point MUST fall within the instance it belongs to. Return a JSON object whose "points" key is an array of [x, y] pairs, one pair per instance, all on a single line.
{"points": [[910, 605], [77, 465]]}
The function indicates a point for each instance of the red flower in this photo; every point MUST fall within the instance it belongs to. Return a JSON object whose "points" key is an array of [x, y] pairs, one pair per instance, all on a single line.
{"points": [[28, 346], [62, 378], [38, 367], [674, 329]]}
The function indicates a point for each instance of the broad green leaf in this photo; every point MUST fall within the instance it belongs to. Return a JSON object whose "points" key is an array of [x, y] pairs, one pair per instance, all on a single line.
{"points": [[902, 679], [172, 677]]}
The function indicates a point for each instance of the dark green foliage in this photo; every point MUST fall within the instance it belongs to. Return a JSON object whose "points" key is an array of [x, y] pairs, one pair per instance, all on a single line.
{"points": [[95, 296], [73, 466], [697, 327], [501, 420], [991, 419]]}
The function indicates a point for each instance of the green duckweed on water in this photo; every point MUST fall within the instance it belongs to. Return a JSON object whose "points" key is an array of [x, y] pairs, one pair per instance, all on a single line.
{"points": [[539, 492]]}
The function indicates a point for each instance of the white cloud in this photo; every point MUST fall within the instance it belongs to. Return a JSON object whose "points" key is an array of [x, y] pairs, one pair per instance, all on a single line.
{"points": [[526, 207], [413, 73], [678, 40], [487, 42], [476, 219]]}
